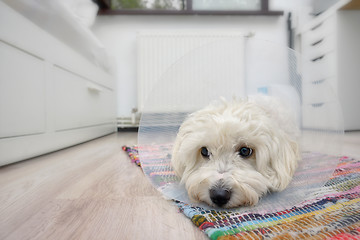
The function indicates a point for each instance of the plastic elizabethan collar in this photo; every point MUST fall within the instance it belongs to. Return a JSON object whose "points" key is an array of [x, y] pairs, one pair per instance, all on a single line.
{"points": [[238, 68]]}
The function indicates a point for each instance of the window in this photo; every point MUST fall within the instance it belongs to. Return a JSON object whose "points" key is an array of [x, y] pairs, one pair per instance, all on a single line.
{"points": [[226, 5], [186, 7], [148, 5]]}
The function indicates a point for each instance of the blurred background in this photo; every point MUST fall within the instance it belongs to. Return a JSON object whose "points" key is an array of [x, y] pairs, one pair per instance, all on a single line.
{"points": [[75, 70]]}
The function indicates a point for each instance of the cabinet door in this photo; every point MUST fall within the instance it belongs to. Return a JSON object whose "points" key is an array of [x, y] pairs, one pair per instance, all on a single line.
{"points": [[80, 102], [22, 93]]}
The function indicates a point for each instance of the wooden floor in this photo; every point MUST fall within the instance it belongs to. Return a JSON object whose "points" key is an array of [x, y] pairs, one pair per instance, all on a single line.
{"points": [[90, 191], [93, 191]]}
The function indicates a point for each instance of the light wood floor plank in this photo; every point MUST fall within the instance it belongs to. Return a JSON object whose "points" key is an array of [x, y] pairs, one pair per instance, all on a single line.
{"points": [[90, 191]]}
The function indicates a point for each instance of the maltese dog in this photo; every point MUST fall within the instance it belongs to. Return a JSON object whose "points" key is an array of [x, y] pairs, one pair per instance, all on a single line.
{"points": [[230, 154]]}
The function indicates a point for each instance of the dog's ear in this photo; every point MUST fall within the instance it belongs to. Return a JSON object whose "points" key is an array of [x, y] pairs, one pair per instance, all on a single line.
{"points": [[177, 161], [281, 154], [283, 162], [186, 150]]}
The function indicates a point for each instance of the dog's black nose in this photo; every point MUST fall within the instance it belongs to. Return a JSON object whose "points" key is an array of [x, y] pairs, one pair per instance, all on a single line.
{"points": [[220, 196]]}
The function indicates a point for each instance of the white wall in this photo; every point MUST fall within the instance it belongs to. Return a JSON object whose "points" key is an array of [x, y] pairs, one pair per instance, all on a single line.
{"points": [[118, 34]]}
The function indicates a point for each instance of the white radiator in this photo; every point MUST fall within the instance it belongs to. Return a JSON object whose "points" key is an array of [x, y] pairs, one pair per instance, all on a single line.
{"points": [[192, 61]]}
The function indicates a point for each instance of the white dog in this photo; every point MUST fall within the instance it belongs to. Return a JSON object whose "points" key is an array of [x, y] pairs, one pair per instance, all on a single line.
{"points": [[232, 153]]}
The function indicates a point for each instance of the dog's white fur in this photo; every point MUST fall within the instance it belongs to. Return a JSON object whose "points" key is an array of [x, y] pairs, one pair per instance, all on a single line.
{"points": [[262, 124]]}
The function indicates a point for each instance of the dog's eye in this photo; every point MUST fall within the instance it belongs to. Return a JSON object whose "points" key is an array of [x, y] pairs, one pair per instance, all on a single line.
{"points": [[205, 152], [245, 152]]}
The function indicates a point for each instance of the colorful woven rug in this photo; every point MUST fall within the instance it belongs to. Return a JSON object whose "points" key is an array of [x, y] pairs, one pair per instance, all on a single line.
{"points": [[333, 214], [133, 154]]}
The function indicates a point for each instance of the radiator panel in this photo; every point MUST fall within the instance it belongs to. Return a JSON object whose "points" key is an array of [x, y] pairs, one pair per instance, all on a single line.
{"points": [[183, 71]]}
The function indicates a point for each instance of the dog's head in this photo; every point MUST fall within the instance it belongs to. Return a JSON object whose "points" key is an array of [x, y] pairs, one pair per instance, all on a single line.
{"points": [[231, 154]]}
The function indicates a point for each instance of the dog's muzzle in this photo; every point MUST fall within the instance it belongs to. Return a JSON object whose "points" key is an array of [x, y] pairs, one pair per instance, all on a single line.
{"points": [[220, 196]]}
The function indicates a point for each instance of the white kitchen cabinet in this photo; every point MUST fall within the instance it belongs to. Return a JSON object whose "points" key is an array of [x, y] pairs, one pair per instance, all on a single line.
{"points": [[51, 95], [331, 70], [22, 93]]}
